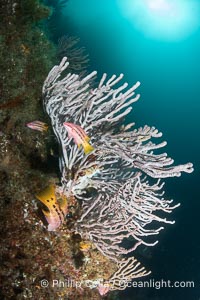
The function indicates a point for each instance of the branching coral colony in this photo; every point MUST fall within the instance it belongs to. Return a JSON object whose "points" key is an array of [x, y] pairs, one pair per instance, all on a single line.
{"points": [[109, 182]]}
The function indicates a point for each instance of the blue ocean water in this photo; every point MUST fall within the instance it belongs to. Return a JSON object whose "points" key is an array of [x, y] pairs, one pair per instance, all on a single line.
{"points": [[169, 72]]}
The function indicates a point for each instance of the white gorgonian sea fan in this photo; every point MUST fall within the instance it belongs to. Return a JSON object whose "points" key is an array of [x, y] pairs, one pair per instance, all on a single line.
{"points": [[117, 200]]}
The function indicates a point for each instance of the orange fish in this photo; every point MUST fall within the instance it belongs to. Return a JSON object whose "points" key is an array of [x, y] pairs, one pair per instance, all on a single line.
{"points": [[80, 137], [55, 215]]}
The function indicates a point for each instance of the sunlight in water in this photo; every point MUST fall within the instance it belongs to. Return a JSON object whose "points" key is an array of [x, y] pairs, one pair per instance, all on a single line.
{"points": [[163, 19]]}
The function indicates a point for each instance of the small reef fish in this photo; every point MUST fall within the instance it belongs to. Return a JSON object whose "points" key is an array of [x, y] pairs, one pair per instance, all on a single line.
{"points": [[85, 246], [25, 49], [80, 137], [38, 125], [55, 215], [103, 289]]}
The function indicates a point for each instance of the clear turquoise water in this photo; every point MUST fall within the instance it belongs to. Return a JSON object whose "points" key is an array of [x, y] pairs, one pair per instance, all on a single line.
{"points": [[169, 72]]}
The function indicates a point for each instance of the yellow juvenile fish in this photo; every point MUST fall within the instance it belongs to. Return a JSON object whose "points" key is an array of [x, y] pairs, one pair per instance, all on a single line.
{"points": [[79, 135], [55, 215]]}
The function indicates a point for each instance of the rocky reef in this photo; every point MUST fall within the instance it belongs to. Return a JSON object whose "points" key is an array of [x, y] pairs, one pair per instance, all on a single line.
{"points": [[28, 162]]}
